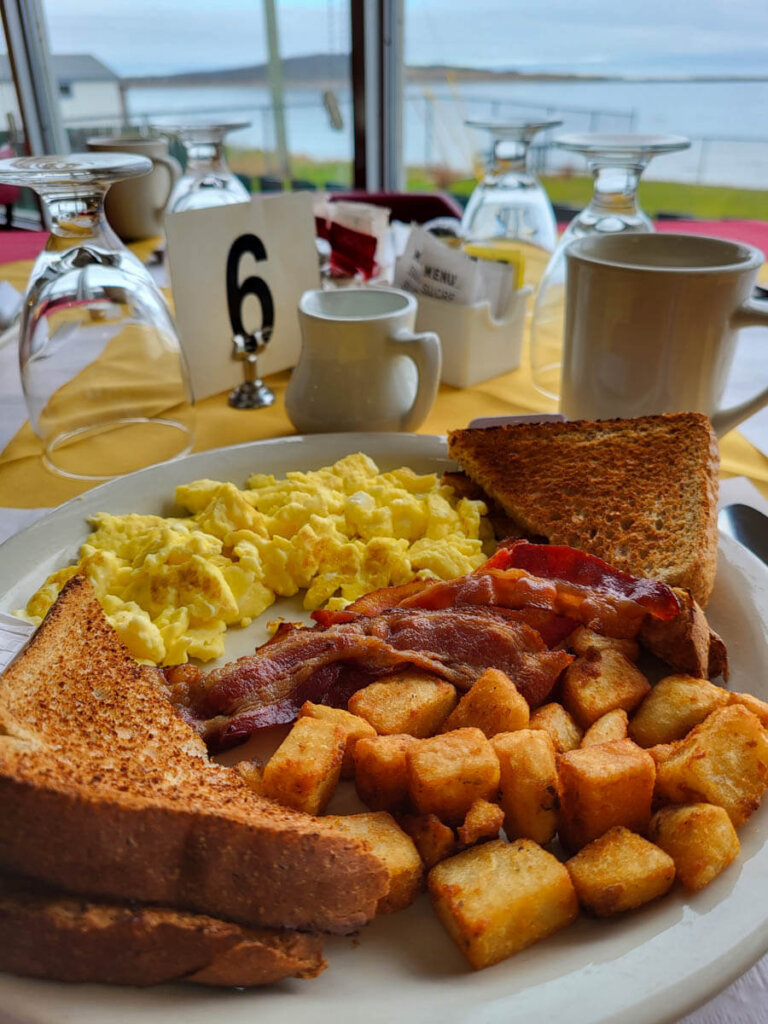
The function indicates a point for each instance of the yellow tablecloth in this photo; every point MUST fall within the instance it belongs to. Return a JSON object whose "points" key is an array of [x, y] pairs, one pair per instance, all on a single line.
{"points": [[25, 483]]}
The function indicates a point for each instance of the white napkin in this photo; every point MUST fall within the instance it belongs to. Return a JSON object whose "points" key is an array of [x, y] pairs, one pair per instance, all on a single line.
{"points": [[740, 490], [14, 633], [749, 373]]}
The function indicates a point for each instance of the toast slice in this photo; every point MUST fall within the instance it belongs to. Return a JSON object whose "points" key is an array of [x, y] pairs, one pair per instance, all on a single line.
{"points": [[45, 934], [640, 493], [104, 790]]}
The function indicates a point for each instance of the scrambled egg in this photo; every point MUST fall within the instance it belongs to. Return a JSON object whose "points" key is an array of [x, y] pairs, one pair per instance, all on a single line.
{"points": [[172, 586]]}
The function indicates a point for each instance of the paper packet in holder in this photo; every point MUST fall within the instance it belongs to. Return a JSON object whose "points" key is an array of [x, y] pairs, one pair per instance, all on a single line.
{"points": [[476, 305]]}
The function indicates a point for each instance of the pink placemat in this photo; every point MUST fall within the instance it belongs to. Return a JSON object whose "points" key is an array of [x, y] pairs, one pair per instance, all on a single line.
{"points": [[752, 232], [21, 245]]}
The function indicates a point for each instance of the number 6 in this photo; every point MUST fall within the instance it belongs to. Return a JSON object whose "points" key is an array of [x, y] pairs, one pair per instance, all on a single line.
{"points": [[237, 293]]}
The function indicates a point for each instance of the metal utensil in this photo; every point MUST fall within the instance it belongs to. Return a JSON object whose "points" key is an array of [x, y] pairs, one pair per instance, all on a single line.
{"points": [[746, 525]]}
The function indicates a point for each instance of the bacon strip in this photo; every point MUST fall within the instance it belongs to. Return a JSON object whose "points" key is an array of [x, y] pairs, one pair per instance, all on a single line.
{"points": [[553, 628], [275, 670], [557, 562], [612, 603], [270, 686]]}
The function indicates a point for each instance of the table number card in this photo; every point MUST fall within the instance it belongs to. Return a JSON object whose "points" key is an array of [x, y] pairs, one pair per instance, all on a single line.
{"points": [[240, 269]]}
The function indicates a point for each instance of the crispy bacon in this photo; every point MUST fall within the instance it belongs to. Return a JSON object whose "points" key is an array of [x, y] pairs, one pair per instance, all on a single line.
{"points": [[578, 586], [557, 562], [479, 639], [270, 686], [505, 615], [553, 628]]}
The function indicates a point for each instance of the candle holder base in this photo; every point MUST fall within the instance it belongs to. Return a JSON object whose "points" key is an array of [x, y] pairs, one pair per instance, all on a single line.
{"points": [[251, 394]]}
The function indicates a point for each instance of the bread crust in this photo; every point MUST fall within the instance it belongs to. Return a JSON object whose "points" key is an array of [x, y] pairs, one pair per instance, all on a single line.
{"points": [[45, 934], [640, 493], [105, 791]]}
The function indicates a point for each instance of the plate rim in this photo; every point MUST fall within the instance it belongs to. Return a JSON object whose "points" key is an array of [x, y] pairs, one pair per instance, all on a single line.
{"points": [[675, 997]]}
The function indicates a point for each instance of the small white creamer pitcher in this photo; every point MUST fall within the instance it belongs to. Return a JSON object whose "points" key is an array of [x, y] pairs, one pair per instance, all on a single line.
{"points": [[362, 367]]}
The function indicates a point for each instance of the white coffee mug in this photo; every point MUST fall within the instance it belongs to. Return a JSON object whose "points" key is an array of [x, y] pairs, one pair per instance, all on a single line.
{"points": [[651, 322], [136, 207], [362, 367]]}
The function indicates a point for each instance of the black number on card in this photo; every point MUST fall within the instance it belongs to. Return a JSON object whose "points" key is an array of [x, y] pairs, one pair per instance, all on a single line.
{"points": [[238, 292]]}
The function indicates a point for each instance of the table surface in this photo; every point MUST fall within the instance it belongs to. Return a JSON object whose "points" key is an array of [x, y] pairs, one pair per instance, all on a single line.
{"points": [[25, 484]]}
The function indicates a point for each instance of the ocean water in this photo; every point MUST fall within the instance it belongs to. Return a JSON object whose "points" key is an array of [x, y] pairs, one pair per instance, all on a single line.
{"points": [[726, 121]]}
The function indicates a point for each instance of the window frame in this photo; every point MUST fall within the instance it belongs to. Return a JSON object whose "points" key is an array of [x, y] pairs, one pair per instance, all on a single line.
{"points": [[377, 87]]}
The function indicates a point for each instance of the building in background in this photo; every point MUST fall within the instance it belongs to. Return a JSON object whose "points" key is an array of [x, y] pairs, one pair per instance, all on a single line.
{"points": [[89, 93]]}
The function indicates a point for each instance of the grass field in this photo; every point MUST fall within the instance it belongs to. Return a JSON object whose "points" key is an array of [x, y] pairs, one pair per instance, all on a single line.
{"points": [[704, 202]]}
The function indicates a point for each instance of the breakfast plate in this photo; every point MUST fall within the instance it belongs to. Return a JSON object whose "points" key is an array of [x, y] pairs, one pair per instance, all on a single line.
{"points": [[651, 966]]}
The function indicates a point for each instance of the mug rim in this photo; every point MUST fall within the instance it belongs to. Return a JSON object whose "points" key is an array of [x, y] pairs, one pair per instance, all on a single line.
{"points": [[752, 256], [409, 305]]}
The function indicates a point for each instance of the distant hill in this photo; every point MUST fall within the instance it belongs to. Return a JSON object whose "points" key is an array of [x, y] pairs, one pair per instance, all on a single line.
{"points": [[329, 69], [332, 69]]}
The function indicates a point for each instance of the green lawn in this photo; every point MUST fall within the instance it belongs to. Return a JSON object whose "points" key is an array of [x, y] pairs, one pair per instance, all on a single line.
{"points": [[704, 202]]}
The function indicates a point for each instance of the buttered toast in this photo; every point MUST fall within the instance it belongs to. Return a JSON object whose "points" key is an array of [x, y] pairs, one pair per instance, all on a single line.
{"points": [[105, 791], [639, 493]]}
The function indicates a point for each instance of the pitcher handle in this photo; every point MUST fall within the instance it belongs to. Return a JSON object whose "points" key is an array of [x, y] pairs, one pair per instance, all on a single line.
{"points": [[424, 350], [753, 313], [174, 173]]}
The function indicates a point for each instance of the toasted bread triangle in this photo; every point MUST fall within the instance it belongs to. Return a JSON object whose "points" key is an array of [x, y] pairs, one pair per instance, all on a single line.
{"points": [[48, 934], [105, 790], [640, 493]]}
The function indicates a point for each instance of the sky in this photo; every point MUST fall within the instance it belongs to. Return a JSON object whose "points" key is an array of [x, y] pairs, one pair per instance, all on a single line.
{"points": [[632, 36]]}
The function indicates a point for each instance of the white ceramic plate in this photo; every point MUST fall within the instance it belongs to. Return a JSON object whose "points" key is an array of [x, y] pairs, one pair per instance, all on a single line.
{"points": [[651, 966]]}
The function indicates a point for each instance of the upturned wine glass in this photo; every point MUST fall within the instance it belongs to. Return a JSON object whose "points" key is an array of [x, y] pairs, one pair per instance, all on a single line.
{"points": [[616, 163], [207, 180], [510, 203], [104, 378]]}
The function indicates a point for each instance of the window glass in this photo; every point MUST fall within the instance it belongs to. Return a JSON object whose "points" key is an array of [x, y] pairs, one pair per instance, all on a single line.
{"points": [[146, 63], [18, 206], [693, 67]]}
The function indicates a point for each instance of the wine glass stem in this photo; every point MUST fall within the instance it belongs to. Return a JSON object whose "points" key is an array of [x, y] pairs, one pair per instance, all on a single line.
{"points": [[77, 218], [615, 188], [509, 155], [206, 156]]}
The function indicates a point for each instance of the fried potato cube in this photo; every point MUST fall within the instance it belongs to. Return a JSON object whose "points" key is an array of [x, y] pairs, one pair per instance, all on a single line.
{"points": [[620, 871], [396, 850], [754, 704], [447, 773], [355, 728], [610, 726], [723, 761], [381, 771], [673, 707], [412, 702], [700, 839], [661, 752], [528, 784], [433, 838], [599, 681], [555, 720], [483, 821], [251, 774], [499, 898], [493, 704], [304, 770], [582, 640], [602, 786]]}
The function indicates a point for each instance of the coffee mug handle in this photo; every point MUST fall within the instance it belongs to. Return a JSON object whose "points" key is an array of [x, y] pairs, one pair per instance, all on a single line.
{"points": [[174, 173], [753, 313], [424, 350]]}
